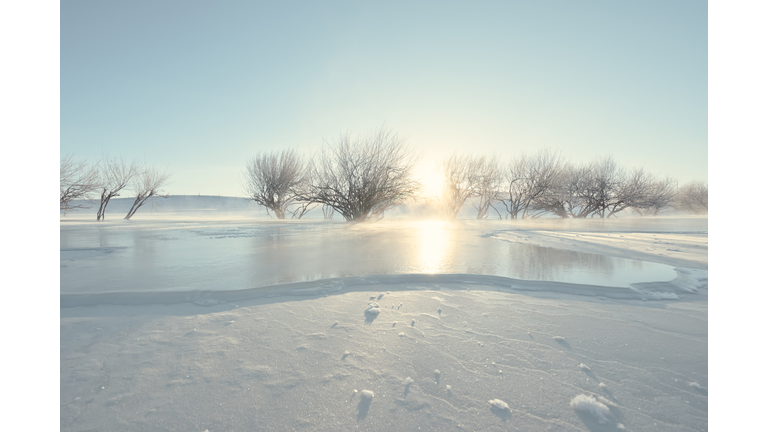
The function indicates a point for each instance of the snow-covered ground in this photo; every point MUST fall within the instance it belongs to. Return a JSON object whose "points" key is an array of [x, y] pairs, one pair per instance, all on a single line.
{"points": [[171, 322]]}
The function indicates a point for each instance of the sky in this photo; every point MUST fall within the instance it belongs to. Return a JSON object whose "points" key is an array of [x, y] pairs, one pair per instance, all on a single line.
{"points": [[198, 88]]}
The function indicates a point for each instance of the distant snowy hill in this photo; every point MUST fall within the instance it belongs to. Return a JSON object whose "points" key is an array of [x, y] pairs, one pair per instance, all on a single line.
{"points": [[192, 204]]}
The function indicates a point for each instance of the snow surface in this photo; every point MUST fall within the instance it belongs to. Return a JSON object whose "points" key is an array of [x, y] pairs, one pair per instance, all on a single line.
{"points": [[165, 357]]}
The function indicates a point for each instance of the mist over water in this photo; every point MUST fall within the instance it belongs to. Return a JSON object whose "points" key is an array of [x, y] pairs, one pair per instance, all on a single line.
{"points": [[153, 256]]}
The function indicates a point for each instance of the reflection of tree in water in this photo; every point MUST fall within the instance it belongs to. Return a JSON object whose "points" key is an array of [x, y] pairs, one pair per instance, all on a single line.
{"points": [[532, 262]]}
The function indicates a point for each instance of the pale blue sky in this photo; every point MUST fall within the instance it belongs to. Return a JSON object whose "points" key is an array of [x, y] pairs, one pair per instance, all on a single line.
{"points": [[200, 87]]}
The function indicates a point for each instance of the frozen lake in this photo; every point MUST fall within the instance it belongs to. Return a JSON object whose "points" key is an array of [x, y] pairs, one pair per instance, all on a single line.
{"points": [[162, 255]]}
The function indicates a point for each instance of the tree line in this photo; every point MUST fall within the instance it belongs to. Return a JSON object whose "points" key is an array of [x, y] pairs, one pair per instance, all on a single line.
{"points": [[107, 179], [361, 177]]}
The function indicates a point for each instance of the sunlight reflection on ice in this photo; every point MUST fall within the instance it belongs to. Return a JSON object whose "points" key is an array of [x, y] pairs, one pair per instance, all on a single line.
{"points": [[242, 255], [435, 242]]}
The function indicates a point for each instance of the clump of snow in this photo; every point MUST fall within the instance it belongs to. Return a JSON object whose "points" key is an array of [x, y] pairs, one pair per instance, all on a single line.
{"points": [[602, 385], [372, 309], [696, 385], [448, 388], [589, 404], [437, 373], [499, 404], [401, 334], [366, 394], [584, 367], [620, 426], [408, 381], [559, 338]]}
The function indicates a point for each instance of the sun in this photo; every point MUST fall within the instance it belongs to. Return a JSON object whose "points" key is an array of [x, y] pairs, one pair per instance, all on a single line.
{"points": [[431, 180]]}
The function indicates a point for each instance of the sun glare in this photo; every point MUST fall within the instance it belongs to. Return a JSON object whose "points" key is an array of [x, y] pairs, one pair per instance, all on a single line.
{"points": [[433, 184], [435, 242]]}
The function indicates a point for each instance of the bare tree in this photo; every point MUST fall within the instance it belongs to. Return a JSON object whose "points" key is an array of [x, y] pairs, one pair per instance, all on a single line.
{"points": [[77, 181], [362, 177], [149, 184], [604, 189], [530, 183], [275, 181], [486, 180], [633, 191], [660, 194], [598, 188], [328, 212], [115, 175], [301, 208], [459, 185], [563, 198], [693, 198]]}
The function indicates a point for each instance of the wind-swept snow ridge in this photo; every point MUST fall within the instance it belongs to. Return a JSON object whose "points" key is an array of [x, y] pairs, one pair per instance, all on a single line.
{"points": [[688, 282]]}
